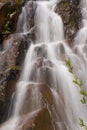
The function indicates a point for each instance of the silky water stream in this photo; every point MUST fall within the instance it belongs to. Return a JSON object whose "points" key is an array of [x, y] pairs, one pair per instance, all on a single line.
{"points": [[45, 65]]}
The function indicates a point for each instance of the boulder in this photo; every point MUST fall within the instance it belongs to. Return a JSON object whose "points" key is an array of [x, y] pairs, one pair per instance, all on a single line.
{"points": [[36, 120], [37, 95], [42, 70], [40, 121]]}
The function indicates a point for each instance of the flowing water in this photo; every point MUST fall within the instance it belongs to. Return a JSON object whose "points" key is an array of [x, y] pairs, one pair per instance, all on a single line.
{"points": [[45, 64]]}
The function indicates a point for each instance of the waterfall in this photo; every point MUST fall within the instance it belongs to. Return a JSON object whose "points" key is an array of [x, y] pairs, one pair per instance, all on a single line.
{"points": [[45, 64]]}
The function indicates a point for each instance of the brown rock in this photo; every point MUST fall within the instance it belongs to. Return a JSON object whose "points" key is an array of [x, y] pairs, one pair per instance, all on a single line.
{"points": [[41, 120], [10, 66], [37, 95]]}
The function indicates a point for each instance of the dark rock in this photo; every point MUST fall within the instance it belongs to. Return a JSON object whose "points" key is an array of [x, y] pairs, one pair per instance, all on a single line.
{"points": [[2, 102], [8, 15], [16, 45], [11, 63], [41, 51], [71, 15]]}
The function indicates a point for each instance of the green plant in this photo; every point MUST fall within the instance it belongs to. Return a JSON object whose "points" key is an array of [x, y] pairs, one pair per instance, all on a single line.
{"points": [[7, 29], [14, 68], [77, 81], [70, 68], [18, 1], [66, 4], [82, 124], [13, 13], [82, 92]]}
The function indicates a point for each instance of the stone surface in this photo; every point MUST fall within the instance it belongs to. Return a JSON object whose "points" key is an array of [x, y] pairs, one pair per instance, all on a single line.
{"points": [[71, 15], [12, 58], [38, 94], [44, 95], [9, 13], [11, 61], [41, 120], [9, 16]]}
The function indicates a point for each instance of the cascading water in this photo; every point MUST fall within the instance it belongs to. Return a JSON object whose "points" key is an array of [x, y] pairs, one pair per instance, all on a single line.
{"points": [[47, 58]]}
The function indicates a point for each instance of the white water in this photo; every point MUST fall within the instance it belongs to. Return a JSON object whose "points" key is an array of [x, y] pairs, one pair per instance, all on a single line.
{"points": [[50, 46]]}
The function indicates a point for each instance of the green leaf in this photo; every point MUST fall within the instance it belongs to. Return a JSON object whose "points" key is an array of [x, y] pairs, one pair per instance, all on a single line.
{"points": [[84, 93], [66, 4], [7, 31], [81, 122], [68, 63], [14, 68], [86, 128], [83, 100], [81, 83]]}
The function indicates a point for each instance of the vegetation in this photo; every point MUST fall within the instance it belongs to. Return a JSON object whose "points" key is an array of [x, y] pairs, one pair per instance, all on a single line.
{"points": [[82, 124], [18, 1], [14, 68], [77, 81], [66, 5], [82, 92], [7, 29]]}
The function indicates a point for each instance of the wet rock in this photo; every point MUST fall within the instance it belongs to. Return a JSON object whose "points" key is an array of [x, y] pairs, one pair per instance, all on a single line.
{"points": [[42, 71], [60, 49], [39, 120], [2, 101], [11, 63], [9, 14], [15, 46], [28, 13], [71, 15], [60, 125], [47, 75], [37, 96], [41, 51]]}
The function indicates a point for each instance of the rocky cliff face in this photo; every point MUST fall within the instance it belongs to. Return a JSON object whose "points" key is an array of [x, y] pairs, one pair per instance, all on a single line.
{"points": [[71, 15], [12, 58], [9, 13]]}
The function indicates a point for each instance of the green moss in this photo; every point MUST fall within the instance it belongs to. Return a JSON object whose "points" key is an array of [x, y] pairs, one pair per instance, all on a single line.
{"points": [[66, 4], [14, 68], [18, 1]]}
